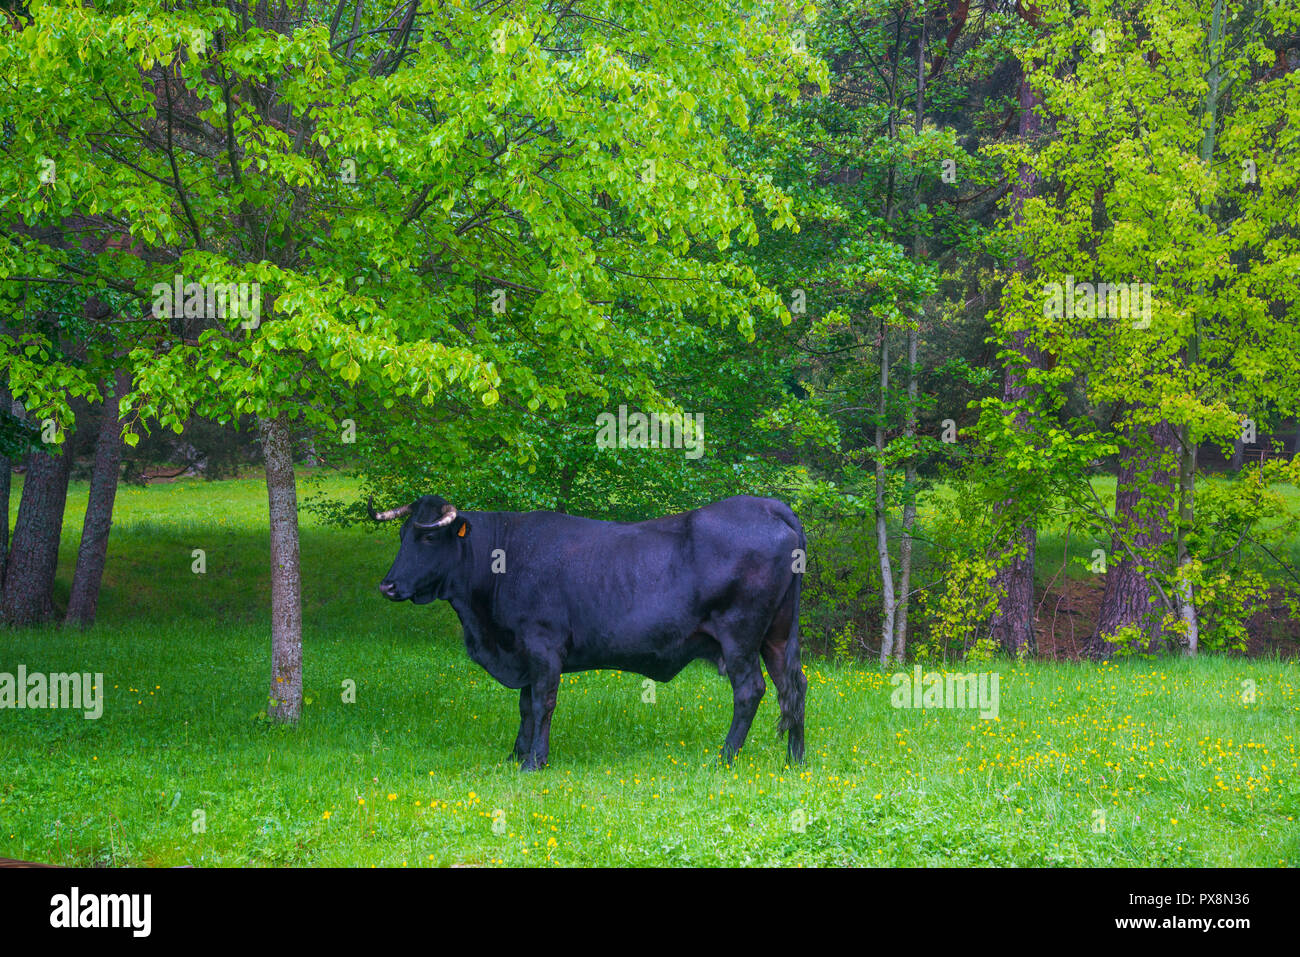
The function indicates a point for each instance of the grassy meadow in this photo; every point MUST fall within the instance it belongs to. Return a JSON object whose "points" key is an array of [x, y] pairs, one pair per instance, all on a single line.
{"points": [[1135, 763]]}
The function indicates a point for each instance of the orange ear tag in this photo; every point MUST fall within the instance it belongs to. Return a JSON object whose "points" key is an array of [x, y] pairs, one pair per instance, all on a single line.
{"points": [[463, 526]]}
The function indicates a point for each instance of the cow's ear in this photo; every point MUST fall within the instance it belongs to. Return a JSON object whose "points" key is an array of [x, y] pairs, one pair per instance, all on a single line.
{"points": [[463, 530]]}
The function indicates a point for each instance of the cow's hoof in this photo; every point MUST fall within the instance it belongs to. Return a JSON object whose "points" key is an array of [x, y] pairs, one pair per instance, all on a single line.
{"points": [[531, 764]]}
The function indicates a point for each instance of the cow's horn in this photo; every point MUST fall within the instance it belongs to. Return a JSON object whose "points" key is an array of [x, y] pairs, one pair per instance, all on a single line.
{"points": [[388, 515], [448, 516]]}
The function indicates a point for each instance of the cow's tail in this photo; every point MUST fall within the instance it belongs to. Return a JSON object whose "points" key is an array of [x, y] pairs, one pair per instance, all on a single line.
{"points": [[793, 689]]}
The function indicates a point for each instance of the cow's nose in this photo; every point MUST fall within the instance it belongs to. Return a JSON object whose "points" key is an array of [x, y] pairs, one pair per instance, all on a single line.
{"points": [[388, 588]]}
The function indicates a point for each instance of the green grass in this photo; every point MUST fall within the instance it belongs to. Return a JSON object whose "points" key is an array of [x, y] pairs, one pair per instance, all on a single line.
{"points": [[415, 771]]}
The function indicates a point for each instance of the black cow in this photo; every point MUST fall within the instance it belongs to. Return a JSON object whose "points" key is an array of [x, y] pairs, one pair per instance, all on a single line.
{"points": [[540, 593]]}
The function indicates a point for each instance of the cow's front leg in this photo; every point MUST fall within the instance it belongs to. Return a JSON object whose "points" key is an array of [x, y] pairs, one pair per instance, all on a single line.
{"points": [[546, 685], [524, 741]]}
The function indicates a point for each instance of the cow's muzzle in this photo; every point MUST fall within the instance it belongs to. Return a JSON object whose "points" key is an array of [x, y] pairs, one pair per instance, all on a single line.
{"points": [[389, 590]]}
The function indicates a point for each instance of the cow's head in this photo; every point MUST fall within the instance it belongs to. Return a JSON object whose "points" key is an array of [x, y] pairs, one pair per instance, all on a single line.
{"points": [[430, 550]]}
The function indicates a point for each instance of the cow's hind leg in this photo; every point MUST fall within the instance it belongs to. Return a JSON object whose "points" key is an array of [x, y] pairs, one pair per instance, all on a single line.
{"points": [[747, 689], [781, 655], [774, 658], [791, 686], [524, 741]]}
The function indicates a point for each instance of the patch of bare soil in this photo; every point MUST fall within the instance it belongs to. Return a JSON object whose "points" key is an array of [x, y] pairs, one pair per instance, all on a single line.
{"points": [[163, 476], [1273, 631], [1067, 614]]}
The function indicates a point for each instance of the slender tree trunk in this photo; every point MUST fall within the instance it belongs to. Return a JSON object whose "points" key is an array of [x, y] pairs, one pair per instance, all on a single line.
{"points": [[1187, 610], [882, 411], [1012, 625], [1238, 453], [285, 699], [909, 507], [34, 556], [92, 554], [564, 488], [1186, 511], [1128, 598], [6, 478], [909, 427], [882, 526]]}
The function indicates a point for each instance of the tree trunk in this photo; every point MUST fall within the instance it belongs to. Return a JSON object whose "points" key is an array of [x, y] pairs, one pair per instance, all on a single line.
{"points": [[1012, 625], [1128, 598], [909, 427], [882, 478], [909, 506], [93, 551], [285, 699], [6, 477], [1186, 510], [1187, 610], [34, 557], [882, 527], [564, 488]]}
